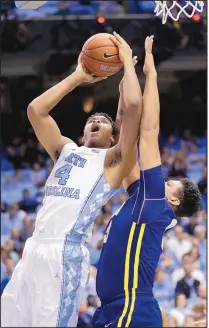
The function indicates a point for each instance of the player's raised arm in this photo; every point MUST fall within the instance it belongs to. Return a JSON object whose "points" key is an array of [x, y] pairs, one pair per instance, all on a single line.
{"points": [[135, 173], [121, 104], [149, 128], [45, 127], [122, 158]]}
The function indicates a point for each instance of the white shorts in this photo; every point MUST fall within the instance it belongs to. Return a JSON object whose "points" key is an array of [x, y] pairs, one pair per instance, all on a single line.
{"points": [[47, 285]]}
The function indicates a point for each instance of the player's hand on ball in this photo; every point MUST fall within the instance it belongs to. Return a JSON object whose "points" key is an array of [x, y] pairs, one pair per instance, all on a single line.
{"points": [[125, 52], [149, 65], [135, 61], [84, 75]]}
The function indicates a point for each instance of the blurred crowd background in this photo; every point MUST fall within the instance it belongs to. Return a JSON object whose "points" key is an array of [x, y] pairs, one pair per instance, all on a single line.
{"points": [[89, 7], [37, 53]]}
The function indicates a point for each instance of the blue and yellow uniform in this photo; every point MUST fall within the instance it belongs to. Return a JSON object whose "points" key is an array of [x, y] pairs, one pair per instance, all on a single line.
{"points": [[131, 253]]}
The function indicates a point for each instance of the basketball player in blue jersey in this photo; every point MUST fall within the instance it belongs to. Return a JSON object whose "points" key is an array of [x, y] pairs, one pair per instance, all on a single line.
{"points": [[47, 285], [133, 240]]}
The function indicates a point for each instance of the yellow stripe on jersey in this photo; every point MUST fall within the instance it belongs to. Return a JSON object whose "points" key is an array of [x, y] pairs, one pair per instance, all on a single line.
{"points": [[136, 275], [164, 319], [126, 274]]}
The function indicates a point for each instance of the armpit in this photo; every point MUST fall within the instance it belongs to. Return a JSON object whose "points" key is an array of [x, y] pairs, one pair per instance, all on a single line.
{"points": [[57, 154], [116, 159]]}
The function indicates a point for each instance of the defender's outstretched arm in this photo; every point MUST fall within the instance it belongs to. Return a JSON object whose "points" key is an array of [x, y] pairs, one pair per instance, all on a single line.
{"points": [[46, 129], [149, 127]]}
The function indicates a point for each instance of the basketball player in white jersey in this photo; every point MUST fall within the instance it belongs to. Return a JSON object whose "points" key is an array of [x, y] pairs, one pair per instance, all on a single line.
{"points": [[47, 285]]}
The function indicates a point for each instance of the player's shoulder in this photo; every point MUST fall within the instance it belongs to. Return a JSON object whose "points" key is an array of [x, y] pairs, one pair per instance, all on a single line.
{"points": [[68, 146], [167, 218], [170, 215]]}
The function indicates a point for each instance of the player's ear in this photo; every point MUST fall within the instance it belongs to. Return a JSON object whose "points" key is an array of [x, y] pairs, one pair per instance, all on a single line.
{"points": [[174, 201], [112, 140]]}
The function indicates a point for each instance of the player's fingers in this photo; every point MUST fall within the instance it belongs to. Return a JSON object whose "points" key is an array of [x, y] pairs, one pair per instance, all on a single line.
{"points": [[113, 39], [135, 61], [118, 37], [146, 43], [151, 40], [148, 47], [147, 40]]}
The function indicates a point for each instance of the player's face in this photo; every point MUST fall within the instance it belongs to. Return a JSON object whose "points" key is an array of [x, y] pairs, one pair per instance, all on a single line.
{"points": [[98, 132], [171, 189]]}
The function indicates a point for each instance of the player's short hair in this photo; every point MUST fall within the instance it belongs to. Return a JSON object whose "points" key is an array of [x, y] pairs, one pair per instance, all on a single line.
{"points": [[114, 129], [190, 199]]}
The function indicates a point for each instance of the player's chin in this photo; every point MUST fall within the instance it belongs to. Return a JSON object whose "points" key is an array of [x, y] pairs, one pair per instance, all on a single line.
{"points": [[98, 135], [95, 140]]}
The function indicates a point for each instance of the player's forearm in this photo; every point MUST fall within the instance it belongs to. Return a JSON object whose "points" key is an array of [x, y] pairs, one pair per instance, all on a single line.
{"points": [[151, 104], [120, 112], [131, 88], [131, 119], [49, 99]]}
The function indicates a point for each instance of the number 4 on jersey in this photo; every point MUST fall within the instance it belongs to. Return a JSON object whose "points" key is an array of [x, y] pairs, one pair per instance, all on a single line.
{"points": [[63, 173]]}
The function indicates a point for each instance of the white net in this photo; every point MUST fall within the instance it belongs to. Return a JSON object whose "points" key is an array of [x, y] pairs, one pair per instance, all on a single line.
{"points": [[165, 8]]}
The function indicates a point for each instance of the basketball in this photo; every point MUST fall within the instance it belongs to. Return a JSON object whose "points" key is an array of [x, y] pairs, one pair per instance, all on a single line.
{"points": [[100, 55]]}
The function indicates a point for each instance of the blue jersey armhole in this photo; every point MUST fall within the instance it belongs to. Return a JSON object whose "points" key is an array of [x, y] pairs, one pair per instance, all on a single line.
{"points": [[132, 188]]}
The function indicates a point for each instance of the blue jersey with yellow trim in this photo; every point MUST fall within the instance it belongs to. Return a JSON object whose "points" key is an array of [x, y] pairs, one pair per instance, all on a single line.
{"points": [[133, 239]]}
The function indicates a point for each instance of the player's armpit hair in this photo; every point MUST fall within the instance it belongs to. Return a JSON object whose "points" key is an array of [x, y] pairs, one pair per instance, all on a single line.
{"points": [[121, 112], [116, 159], [57, 154], [190, 199]]}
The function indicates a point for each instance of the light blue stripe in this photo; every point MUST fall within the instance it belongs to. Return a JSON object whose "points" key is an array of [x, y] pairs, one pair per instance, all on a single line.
{"points": [[72, 257]]}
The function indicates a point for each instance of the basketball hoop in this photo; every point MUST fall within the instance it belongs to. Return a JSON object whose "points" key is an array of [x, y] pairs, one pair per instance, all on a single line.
{"points": [[162, 8]]}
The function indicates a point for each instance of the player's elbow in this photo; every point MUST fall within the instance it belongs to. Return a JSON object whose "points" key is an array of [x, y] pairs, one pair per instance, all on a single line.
{"points": [[32, 111], [133, 103]]}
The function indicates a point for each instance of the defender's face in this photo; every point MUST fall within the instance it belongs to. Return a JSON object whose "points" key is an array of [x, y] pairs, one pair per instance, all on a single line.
{"points": [[98, 132], [171, 188]]}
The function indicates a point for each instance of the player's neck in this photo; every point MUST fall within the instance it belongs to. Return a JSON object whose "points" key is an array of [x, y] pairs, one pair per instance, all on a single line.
{"points": [[171, 205], [89, 144]]}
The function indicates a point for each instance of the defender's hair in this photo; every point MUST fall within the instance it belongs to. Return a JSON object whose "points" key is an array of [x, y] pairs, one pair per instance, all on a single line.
{"points": [[114, 129], [190, 199]]}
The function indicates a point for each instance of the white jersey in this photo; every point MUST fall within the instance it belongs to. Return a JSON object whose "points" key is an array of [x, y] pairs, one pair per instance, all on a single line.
{"points": [[74, 192]]}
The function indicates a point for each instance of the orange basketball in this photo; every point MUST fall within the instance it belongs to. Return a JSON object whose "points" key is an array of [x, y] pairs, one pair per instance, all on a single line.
{"points": [[100, 55]]}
